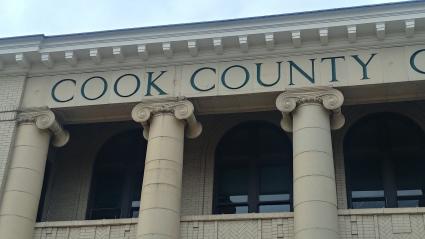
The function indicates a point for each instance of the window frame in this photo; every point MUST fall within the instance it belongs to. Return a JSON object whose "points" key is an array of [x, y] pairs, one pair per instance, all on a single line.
{"points": [[254, 166], [387, 162], [131, 178]]}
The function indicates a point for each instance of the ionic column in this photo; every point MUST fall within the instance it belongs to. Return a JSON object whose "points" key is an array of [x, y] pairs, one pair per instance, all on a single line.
{"points": [[164, 127], [18, 209], [310, 114]]}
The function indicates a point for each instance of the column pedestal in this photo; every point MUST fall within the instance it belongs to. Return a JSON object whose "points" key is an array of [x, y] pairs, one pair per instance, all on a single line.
{"points": [[21, 197], [307, 114], [164, 127]]}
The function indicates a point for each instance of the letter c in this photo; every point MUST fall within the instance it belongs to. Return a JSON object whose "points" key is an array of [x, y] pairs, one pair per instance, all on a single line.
{"points": [[412, 61], [192, 79], [53, 93]]}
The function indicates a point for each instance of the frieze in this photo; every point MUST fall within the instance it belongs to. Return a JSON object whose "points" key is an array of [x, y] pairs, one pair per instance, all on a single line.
{"points": [[276, 74]]}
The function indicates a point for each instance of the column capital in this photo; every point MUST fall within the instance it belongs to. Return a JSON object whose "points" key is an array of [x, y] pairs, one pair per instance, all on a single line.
{"points": [[330, 98], [45, 120], [181, 109]]}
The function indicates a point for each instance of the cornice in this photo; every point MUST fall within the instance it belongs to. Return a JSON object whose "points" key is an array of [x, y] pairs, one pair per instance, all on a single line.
{"points": [[255, 53], [278, 34]]}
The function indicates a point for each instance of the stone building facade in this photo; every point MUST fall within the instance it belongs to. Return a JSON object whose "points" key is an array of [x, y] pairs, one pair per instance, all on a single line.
{"points": [[306, 125]]}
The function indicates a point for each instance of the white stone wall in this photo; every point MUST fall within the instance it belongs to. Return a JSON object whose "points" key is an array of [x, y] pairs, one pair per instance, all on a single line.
{"points": [[111, 229], [11, 89], [353, 224]]}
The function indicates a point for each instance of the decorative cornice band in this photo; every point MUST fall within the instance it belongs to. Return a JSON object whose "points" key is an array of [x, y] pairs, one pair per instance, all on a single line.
{"points": [[245, 38], [46, 120], [330, 98], [182, 110]]}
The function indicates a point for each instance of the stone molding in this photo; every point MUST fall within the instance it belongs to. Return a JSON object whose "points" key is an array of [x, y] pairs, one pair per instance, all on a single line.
{"points": [[330, 98], [46, 120], [34, 54], [182, 110]]}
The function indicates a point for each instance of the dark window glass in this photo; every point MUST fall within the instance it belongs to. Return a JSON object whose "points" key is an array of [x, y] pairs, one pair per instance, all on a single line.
{"points": [[275, 208], [253, 170], [107, 200], [136, 193], [46, 180], [384, 157], [117, 177], [367, 189]]}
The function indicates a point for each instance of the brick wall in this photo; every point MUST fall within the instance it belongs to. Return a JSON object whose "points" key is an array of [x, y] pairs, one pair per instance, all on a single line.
{"points": [[11, 89]]}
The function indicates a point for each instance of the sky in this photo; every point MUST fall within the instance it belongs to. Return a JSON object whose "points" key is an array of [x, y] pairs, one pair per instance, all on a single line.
{"points": [[55, 17]]}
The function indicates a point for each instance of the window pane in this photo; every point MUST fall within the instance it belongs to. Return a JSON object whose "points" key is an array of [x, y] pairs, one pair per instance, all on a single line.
{"points": [[272, 143], [385, 149], [239, 198], [357, 142], [250, 168], [369, 204], [367, 190], [417, 192], [237, 144], [106, 213], [409, 198], [410, 181], [275, 180], [233, 186], [366, 175], [405, 135], [409, 173], [118, 177], [134, 212], [367, 194], [107, 200], [275, 208], [233, 189], [275, 186], [108, 190], [274, 197], [232, 209], [408, 203], [136, 193]]}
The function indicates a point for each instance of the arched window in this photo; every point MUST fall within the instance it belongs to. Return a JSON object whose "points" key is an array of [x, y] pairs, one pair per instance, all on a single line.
{"points": [[385, 162], [253, 170], [117, 177]]}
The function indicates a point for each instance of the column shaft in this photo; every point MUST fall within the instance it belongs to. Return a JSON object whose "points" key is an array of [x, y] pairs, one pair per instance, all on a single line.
{"points": [[315, 201], [159, 216], [24, 182]]}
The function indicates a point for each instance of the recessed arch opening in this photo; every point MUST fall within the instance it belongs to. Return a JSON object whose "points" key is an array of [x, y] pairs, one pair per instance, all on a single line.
{"points": [[117, 177], [253, 170], [384, 160]]}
